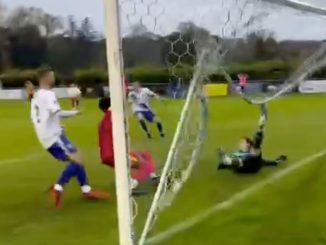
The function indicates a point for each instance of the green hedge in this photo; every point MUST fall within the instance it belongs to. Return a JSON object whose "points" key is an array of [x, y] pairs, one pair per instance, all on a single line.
{"points": [[267, 70], [147, 74], [274, 69], [17, 78], [90, 77]]}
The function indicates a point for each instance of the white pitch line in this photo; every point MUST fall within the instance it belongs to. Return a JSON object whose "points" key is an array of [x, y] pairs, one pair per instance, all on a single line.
{"points": [[240, 196], [22, 159]]}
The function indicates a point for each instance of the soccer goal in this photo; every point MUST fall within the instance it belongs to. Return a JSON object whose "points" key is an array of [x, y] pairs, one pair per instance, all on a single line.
{"points": [[196, 42]]}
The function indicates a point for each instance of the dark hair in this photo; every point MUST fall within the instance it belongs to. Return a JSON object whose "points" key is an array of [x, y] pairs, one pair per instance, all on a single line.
{"points": [[248, 141], [104, 103], [43, 71]]}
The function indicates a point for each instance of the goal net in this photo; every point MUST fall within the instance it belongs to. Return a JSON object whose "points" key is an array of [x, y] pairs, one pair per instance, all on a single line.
{"points": [[190, 43]]}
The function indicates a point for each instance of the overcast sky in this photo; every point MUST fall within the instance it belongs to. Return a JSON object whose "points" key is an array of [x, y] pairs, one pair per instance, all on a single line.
{"points": [[285, 23]]}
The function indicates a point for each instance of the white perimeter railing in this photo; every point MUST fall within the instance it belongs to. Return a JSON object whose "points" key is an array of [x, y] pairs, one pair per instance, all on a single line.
{"points": [[20, 93]]}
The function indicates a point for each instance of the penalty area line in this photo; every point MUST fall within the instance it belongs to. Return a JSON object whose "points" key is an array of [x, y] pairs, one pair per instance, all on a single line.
{"points": [[233, 200], [22, 159]]}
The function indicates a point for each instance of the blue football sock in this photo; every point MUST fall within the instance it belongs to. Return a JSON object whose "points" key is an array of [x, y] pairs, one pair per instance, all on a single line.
{"points": [[70, 171], [81, 175]]}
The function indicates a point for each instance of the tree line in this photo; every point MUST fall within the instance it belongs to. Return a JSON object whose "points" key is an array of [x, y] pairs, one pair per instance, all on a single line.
{"points": [[30, 37]]}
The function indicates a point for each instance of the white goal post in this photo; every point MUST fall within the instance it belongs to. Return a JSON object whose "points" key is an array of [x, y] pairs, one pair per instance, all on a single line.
{"points": [[120, 132]]}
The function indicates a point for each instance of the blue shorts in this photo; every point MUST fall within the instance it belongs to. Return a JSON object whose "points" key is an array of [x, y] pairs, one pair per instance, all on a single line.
{"points": [[149, 116], [146, 113], [61, 149]]}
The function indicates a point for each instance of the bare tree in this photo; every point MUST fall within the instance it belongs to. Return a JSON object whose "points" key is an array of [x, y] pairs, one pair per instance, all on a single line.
{"points": [[71, 27], [22, 16], [2, 13], [86, 31], [137, 30], [50, 24]]}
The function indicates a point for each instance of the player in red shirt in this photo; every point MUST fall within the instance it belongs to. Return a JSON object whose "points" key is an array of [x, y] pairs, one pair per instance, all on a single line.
{"points": [[243, 81], [126, 86], [29, 90], [142, 163]]}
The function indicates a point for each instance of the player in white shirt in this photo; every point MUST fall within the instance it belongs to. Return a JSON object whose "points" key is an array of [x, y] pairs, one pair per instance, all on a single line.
{"points": [[140, 99], [74, 94], [46, 114]]}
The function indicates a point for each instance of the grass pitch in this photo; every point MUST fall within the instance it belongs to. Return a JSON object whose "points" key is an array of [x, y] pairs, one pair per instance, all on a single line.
{"points": [[291, 211]]}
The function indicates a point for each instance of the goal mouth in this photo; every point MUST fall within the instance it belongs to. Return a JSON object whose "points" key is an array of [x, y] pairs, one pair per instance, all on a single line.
{"points": [[219, 41]]}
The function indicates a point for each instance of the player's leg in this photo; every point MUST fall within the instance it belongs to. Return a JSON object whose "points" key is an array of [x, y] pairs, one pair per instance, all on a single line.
{"points": [[259, 135], [142, 170], [151, 117], [72, 100], [142, 121], [75, 159], [143, 166], [69, 172], [82, 179], [263, 115], [77, 102], [81, 174], [159, 126], [276, 162], [242, 88]]}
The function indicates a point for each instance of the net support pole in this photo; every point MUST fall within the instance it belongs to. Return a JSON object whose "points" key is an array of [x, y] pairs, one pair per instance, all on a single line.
{"points": [[116, 78]]}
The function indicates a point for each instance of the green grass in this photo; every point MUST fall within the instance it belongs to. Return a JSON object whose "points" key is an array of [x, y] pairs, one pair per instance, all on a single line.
{"points": [[291, 211]]}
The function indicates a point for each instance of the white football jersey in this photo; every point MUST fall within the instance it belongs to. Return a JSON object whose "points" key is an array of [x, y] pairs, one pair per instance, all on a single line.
{"points": [[73, 92], [45, 118], [140, 98]]}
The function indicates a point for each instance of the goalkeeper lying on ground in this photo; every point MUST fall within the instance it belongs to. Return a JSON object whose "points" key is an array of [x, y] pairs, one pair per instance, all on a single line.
{"points": [[248, 158]]}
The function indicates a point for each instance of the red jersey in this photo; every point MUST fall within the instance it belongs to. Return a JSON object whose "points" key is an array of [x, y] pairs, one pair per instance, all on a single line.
{"points": [[126, 86], [142, 163], [106, 139]]}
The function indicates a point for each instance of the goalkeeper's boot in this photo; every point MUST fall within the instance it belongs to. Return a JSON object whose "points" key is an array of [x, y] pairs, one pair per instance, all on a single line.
{"points": [[221, 155], [96, 195], [56, 196]]}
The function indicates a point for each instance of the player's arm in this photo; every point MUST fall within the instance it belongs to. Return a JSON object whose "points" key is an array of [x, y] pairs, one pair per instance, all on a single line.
{"points": [[258, 138], [53, 106], [153, 94], [67, 114], [131, 97]]}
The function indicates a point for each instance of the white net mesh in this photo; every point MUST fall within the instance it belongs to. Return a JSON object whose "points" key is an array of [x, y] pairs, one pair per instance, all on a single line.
{"points": [[185, 149], [200, 41]]}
